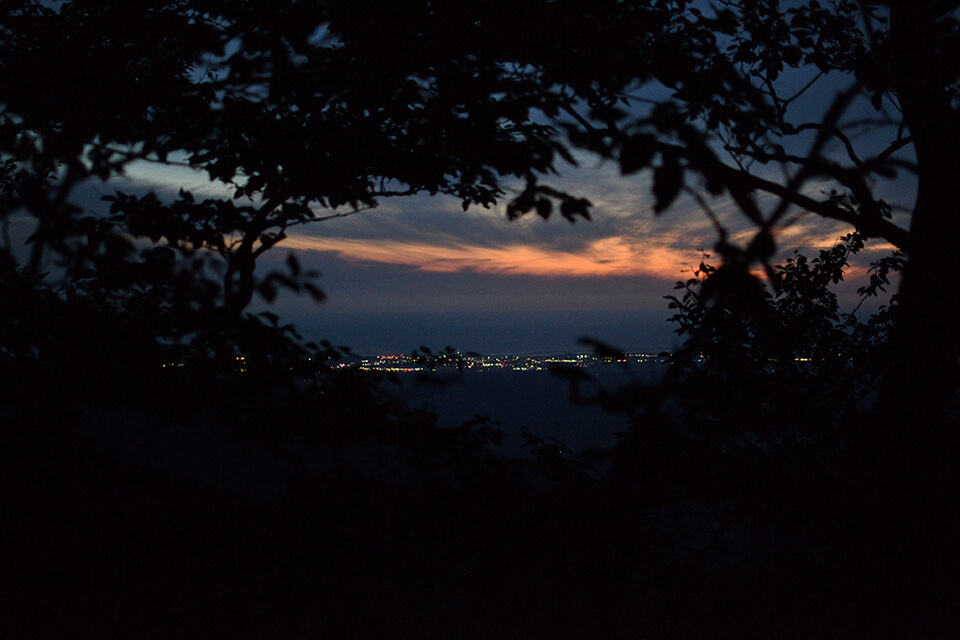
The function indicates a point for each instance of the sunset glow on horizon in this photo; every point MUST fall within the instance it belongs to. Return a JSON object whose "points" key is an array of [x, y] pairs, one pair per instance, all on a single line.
{"points": [[425, 255], [611, 256]]}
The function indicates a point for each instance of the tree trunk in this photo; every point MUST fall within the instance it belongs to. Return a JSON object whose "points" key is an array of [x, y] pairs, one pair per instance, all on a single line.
{"points": [[922, 380], [916, 438]]}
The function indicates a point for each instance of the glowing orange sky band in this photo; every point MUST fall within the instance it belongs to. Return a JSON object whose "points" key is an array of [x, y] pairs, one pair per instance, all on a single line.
{"points": [[605, 257]]}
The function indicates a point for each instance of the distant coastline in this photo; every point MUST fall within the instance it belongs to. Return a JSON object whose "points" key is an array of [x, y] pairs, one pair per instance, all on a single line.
{"points": [[513, 362]]}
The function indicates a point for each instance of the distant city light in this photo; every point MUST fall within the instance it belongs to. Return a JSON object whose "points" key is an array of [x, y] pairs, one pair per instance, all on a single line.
{"points": [[406, 363]]}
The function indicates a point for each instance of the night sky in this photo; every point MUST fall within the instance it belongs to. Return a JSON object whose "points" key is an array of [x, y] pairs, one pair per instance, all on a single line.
{"points": [[421, 271]]}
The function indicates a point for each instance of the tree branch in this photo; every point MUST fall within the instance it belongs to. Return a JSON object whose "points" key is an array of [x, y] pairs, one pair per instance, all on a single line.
{"points": [[874, 228], [740, 183]]}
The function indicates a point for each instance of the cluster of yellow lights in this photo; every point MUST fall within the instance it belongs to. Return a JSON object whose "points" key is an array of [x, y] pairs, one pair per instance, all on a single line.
{"points": [[406, 363]]}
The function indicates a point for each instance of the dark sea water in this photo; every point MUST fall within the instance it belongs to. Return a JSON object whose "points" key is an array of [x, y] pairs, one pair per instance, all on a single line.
{"points": [[539, 401]]}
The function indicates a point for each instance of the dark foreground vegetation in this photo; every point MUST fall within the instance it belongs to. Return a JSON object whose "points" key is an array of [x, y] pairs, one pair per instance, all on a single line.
{"points": [[745, 498], [798, 481]]}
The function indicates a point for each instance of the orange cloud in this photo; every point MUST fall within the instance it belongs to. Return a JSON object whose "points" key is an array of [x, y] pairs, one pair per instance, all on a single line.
{"points": [[611, 256]]}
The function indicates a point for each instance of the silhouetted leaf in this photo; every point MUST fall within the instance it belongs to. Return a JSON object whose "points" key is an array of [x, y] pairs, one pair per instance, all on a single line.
{"points": [[544, 208], [268, 291], [293, 264], [272, 317], [667, 182], [636, 153]]}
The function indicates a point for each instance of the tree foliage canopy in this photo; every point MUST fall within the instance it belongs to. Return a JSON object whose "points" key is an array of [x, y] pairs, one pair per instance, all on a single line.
{"points": [[305, 110], [298, 111]]}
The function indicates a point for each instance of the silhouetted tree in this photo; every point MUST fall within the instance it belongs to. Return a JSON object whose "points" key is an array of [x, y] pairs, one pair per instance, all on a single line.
{"points": [[296, 113], [761, 359], [789, 107], [300, 110], [308, 110], [771, 104]]}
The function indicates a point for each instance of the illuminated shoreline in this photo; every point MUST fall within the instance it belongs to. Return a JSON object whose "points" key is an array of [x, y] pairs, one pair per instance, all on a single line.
{"points": [[399, 363]]}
